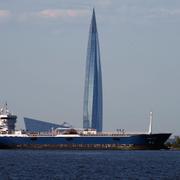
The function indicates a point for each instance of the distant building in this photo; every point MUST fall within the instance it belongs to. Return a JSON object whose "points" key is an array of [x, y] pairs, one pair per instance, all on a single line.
{"points": [[93, 98], [34, 125]]}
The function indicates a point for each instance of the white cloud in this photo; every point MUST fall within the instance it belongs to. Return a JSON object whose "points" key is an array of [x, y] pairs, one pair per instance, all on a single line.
{"points": [[153, 13], [141, 14], [62, 13], [4, 13], [104, 3]]}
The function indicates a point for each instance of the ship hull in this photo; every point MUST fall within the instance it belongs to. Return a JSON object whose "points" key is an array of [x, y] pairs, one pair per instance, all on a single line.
{"points": [[125, 142]]}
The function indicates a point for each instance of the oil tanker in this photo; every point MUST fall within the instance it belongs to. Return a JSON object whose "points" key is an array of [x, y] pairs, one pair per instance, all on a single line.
{"points": [[71, 138], [78, 141]]}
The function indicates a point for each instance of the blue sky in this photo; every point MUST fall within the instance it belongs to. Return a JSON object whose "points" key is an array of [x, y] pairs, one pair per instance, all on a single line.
{"points": [[43, 53]]}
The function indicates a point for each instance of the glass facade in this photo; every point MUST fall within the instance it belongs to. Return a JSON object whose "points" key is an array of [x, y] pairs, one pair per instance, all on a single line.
{"points": [[34, 125], [93, 106]]}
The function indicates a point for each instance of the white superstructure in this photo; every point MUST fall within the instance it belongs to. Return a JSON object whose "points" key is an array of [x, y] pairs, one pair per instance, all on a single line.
{"points": [[7, 120]]}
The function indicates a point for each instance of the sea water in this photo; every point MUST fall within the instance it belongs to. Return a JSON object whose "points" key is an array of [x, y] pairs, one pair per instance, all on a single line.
{"points": [[75, 164]]}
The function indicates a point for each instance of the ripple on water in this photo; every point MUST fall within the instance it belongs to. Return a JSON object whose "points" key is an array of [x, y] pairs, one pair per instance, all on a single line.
{"points": [[54, 164]]}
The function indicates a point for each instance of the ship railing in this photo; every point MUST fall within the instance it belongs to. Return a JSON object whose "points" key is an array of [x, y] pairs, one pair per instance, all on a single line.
{"points": [[114, 134], [105, 134], [88, 134], [131, 133], [45, 133]]}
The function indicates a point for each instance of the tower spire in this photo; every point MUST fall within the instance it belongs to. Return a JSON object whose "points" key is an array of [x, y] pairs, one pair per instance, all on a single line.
{"points": [[93, 27], [93, 107]]}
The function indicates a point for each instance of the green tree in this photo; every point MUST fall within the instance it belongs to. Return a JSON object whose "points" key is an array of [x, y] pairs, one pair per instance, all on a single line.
{"points": [[177, 141]]}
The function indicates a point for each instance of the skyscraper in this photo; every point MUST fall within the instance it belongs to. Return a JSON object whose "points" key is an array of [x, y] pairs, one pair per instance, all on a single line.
{"points": [[93, 98]]}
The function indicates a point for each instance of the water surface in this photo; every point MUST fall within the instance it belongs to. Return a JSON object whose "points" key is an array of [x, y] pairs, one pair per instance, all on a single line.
{"points": [[70, 165]]}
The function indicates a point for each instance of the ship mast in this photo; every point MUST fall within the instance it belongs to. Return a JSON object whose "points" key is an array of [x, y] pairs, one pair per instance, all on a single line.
{"points": [[150, 122]]}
